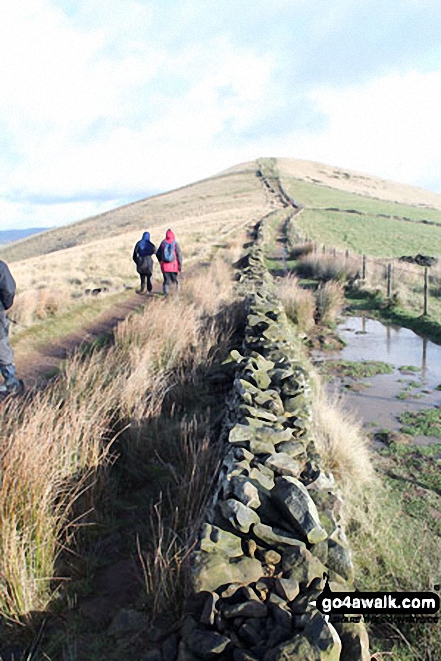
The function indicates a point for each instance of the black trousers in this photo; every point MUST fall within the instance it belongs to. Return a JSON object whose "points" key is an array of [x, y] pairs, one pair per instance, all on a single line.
{"points": [[169, 278], [146, 278]]}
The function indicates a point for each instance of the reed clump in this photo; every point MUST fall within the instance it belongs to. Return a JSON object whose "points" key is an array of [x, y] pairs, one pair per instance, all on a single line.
{"points": [[328, 267], [330, 300], [56, 445], [299, 304]]}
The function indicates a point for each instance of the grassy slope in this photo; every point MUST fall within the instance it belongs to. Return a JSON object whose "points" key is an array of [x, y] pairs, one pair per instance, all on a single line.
{"points": [[378, 228], [54, 270], [221, 205], [393, 520], [225, 192]]}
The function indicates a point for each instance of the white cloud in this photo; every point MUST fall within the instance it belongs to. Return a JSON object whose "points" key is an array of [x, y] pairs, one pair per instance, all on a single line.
{"points": [[389, 126], [93, 123], [113, 101]]}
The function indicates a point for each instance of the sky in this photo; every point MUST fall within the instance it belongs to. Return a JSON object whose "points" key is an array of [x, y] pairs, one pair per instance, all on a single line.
{"points": [[107, 102]]}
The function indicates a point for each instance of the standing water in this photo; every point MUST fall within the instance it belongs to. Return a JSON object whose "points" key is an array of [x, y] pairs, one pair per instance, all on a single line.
{"points": [[412, 385]]}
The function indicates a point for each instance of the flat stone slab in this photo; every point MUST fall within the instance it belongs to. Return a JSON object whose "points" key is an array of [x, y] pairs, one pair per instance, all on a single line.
{"points": [[297, 505], [283, 464]]}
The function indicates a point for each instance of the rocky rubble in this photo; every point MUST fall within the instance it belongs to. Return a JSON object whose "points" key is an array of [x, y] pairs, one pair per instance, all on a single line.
{"points": [[273, 532]]}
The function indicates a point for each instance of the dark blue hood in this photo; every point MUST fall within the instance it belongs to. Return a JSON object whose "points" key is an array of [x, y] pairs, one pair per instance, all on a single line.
{"points": [[145, 247]]}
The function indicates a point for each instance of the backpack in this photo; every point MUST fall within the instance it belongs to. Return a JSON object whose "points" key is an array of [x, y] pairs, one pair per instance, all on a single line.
{"points": [[168, 252]]}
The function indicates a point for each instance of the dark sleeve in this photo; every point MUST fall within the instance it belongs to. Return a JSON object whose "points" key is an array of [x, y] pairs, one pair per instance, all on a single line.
{"points": [[7, 286], [159, 253], [135, 254], [179, 255]]}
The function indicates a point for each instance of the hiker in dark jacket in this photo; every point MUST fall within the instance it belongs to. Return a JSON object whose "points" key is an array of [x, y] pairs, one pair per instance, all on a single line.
{"points": [[143, 258], [170, 258], [12, 385]]}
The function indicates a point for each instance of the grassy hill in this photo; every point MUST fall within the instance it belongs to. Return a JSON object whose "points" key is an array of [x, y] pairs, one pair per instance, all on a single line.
{"points": [[56, 269], [107, 469], [217, 200], [8, 236], [224, 197]]}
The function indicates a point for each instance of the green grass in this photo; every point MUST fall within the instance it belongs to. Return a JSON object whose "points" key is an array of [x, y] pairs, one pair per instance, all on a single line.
{"points": [[400, 549], [72, 319], [312, 195], [426, 422], [379, 237], [357, 370], [380, 233], [420, 466]]}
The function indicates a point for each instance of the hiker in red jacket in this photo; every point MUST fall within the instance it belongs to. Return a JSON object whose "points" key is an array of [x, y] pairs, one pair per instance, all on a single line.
{"points": [[170, 258]]}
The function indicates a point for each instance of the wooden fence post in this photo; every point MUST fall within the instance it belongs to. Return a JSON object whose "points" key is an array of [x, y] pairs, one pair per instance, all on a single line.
{"points": [[364, 268], [426, 290], [389, 280]]}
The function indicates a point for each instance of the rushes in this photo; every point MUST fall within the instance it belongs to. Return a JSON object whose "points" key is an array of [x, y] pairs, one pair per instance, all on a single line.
{"points": [[341, 443], [54, 447], [330, 301], [299, 303], [51, 451], [305, 307], [326, 268]]}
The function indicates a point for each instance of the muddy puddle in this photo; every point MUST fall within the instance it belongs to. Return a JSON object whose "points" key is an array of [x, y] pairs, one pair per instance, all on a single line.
{"points": [[379, 400]]}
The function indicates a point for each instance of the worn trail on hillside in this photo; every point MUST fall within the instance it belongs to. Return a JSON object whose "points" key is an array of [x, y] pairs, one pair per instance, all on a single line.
{"points": [[38, 365]]}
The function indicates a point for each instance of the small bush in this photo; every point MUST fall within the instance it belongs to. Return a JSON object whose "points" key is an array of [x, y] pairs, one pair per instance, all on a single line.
{"points": [[330, 301], [341, 443], [299, 303], [300, 250], [326, 268]]}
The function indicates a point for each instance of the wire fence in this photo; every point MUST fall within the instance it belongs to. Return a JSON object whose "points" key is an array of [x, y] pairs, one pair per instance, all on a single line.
{"points": [[416, 284]]}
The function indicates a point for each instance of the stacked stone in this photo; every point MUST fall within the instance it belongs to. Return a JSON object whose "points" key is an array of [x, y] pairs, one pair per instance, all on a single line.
{"points": [[274, 530]]}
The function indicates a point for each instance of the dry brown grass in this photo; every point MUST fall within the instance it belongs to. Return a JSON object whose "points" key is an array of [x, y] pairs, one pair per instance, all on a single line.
{"points": [[299, 303], [54, 448], [330, 302], [341, 443], [51, 450], [213, 205], [356, 182]]}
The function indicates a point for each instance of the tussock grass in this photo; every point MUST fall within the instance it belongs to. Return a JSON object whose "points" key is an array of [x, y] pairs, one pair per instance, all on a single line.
{"points": [[54, 448], [210, 293], [300, 250], [341, 442], [38, 304], [192, 461], [299, 304], [330, 302], [327, 267]]}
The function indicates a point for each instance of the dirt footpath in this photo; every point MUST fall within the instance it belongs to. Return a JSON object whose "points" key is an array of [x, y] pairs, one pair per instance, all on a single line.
{"points": [[37, 365]]}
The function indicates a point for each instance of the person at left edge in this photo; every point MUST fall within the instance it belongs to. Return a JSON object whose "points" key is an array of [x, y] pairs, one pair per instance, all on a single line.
{"points": [[12, 385], [143, 258]]}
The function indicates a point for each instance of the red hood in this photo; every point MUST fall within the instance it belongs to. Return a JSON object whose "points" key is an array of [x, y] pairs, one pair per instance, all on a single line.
{"points": [[169, 236]]}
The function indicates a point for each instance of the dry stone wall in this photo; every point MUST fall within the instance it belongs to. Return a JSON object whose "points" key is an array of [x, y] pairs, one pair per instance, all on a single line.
{"points": [[273, 531]]}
